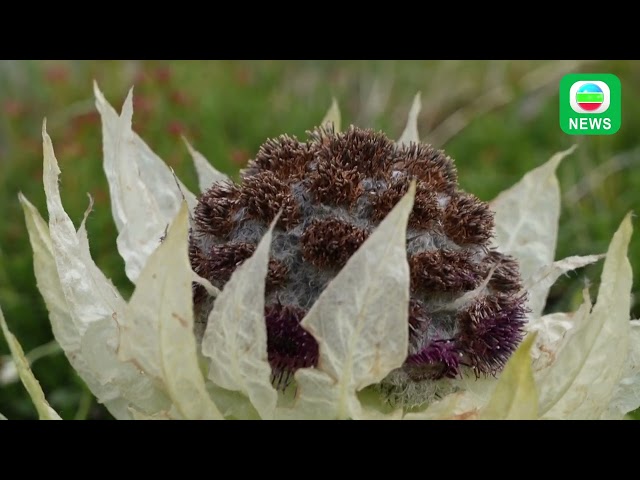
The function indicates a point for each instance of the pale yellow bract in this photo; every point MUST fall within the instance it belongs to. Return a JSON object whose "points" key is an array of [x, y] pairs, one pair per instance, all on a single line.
{"points": [[141, 359]]}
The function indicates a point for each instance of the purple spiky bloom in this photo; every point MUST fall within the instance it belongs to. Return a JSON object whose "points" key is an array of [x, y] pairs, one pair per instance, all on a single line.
{"points": [[333, 190]]}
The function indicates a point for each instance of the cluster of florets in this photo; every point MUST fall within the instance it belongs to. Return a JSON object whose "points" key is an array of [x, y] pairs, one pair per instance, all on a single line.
{"points": [[333, 190]]}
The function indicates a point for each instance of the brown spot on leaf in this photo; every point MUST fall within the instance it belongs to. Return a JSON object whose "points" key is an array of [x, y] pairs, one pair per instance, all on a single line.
{"points": [[182, 320]]}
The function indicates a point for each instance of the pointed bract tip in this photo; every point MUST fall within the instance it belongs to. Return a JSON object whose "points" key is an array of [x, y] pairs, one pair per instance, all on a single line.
{"points": [[333, 115], [558, 157], [568, 151], [24, 202], [49, 156], [101, 101], [96, 90], [184, 208], [274, 222], [625, 229], [528, 342], [180, 223], [412, 188], [410, 133], [416, 105], [127, 107], [188, 145]]}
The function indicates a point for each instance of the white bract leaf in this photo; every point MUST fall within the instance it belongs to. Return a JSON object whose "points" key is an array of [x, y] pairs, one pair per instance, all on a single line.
{"points": [[526, 217], [207, 173], [333, 116], [156, 333], [29, 381], [551, 335], [144, 194], [470, 396], [236, 336], [78, 295], [360, 322], [91, 294], [46, 273], [592, 362], [156, 416], [120, 385], [515, 396], [2, 417], [539, 284], [319, 397], [232, 405], [626, 396], [556, 335], [410, 133]]}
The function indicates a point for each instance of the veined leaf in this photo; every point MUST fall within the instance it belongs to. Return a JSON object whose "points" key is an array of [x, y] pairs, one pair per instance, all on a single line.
{"points": [[232, 405], [360, 322], [592, 362], [626, 396], [80, 298], [539, 284], [526, 217], [236, 336], [551, 335], [157, 330], [555, 336], [144, 195]]}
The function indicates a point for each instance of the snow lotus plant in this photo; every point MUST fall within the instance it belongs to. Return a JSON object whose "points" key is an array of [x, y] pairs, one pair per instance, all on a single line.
{"points": [[344, 277]]}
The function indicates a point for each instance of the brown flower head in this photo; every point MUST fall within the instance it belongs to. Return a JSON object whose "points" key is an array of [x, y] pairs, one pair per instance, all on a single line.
{"points": [[333, 190]]}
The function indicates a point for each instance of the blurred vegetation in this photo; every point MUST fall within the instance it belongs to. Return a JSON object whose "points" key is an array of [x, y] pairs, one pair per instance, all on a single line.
{"points": [[498, 119]]}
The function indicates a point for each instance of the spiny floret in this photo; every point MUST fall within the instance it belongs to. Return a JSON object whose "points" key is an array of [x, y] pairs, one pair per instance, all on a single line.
{"points": [[467, 307]]}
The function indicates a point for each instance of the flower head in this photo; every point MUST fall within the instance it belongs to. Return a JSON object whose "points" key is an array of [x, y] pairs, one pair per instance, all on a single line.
{"points": [[467, 307], [350, 267]]}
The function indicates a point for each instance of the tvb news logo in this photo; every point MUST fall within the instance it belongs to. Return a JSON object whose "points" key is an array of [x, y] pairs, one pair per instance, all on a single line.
{"points": [[590, 104]]}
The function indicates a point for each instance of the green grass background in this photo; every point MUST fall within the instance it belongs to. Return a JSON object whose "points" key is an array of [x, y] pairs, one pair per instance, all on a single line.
{"points": [[498, 119]]}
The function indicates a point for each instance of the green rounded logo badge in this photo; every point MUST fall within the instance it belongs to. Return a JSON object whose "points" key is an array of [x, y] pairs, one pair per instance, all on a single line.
{"points": [[590, 104]]}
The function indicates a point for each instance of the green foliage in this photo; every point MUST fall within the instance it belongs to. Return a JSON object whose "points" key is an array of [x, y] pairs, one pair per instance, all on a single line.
{"points": [[497, 119]]}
